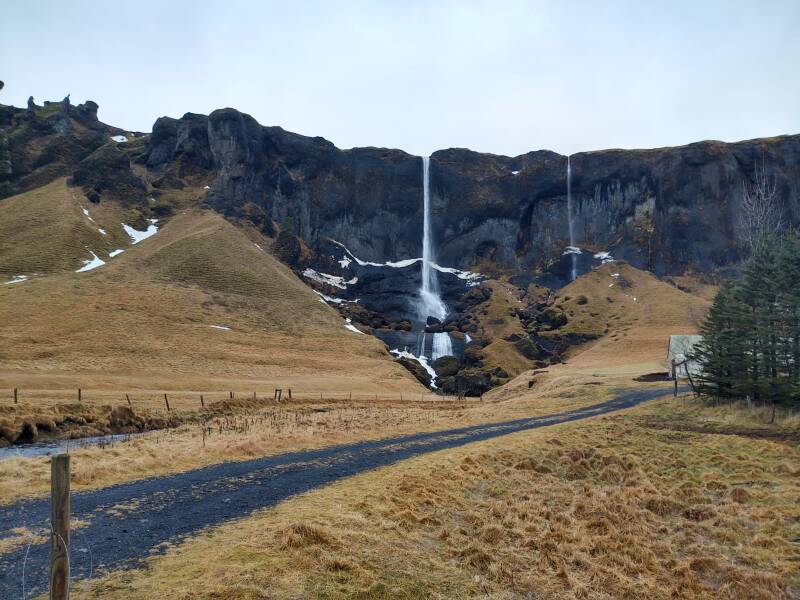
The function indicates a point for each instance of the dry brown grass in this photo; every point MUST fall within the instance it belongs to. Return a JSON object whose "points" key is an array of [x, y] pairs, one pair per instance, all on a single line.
{"points": [[635, 324], [242, 430], [144, 322], [44, 231], [607, 508]]}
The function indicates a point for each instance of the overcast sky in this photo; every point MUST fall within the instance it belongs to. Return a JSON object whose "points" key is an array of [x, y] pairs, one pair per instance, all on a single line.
{"points": [[502, 77]]}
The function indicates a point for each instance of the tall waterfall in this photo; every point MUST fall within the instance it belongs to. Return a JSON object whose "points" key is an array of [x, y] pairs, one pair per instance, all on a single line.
{"points": [[430, 302], [572, 254]]}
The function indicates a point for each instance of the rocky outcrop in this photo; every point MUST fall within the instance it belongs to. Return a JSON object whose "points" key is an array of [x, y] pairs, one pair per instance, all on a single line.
{"points": [[417, 370], [107, 171], [42, 143], [368, 197]]}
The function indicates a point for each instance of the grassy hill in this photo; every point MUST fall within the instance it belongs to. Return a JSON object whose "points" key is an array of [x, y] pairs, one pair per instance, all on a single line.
{"points": [[197, 306], [633, 311]]}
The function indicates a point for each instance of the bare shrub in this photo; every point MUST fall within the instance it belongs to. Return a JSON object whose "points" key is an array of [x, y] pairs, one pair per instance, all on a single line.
{"points": [[761, 212]]}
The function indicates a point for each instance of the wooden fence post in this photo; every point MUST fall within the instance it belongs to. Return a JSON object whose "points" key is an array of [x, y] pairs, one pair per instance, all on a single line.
{"points": [[675, 378], [203, 404], [231, 395], [59, 535], [128, 398], [79, 395], [166, 402], [15, 396], [290, 393]]}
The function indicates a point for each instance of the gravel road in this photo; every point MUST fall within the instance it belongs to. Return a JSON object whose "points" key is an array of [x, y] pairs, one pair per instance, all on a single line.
{"points": [[128, 522]]}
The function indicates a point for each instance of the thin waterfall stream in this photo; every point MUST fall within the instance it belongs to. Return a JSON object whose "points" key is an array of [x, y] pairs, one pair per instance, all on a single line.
{"points": [[573, 248], [430, 302]]}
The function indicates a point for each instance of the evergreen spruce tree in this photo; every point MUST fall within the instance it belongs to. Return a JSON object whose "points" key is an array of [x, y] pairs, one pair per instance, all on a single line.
{"points": [[788, 305], [751, 336], [720, 352], [756, 291]]}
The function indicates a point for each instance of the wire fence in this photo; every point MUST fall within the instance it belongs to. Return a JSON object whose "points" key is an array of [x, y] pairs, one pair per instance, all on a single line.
{"points": [[183, 400]]}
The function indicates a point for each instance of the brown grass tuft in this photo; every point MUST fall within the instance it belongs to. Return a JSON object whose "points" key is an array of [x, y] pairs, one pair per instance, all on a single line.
{"points": [[302, 534]]}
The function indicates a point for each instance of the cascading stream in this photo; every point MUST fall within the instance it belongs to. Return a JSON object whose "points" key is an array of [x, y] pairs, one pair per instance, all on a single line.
{"points": [[572, 255], [430, 302]]}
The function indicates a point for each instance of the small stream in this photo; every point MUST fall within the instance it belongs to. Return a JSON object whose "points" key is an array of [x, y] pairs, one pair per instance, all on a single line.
{"points": [[59, 446]]}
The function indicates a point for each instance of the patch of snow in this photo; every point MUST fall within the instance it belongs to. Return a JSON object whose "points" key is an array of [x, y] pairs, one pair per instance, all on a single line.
{"points": [[349, 325], [257, 246], [333, 300], [222, 327], [423, 360], [604, 257], [102, 231], [366, 263], [17, 279], [86, 212], [615, 274], [138, 236], [610, 285], [470, 276], [116, 252], [401, 264], [572, 250], [467, 275], [92, 263], [467, 339], [333, 280], [120, 139], [345, 262], [515, 172], [207, 187]]}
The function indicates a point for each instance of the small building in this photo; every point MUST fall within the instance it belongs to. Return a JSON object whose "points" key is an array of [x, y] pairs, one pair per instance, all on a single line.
{"points": [[680, 347]]}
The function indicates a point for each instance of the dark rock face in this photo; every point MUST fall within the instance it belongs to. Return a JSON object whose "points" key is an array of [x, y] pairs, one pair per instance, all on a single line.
{"points": [[668, 210], [368, 197], [183, 142], [108, 171], [40, 144], [473, 382], [417, 370], [446, 366]]}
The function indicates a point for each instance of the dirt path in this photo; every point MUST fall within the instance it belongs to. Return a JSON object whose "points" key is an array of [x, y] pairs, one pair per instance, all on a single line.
{"points": [[128, 522]]}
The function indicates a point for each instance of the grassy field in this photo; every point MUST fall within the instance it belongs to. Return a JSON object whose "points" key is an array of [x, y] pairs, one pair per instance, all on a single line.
{"points": [[624, 506], [244, 429]]}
